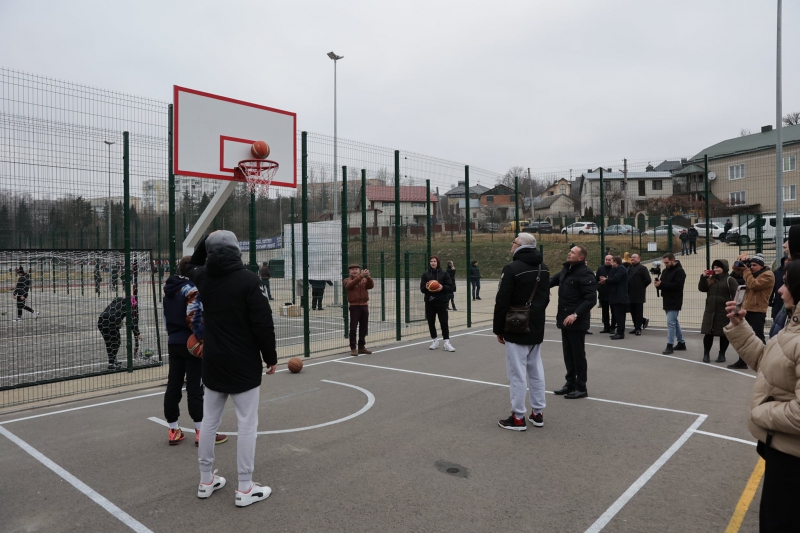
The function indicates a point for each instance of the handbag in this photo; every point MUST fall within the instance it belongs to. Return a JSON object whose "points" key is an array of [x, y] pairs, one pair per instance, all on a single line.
{"points": [[518, 316]]}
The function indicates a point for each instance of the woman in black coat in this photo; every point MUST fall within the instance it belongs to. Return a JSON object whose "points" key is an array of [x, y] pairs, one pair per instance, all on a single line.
{"points": [[451, 271], [719, 288], [436, 302]]}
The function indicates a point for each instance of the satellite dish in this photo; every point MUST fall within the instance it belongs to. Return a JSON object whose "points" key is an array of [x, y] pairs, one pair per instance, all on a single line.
{"points": [[712, 176]]}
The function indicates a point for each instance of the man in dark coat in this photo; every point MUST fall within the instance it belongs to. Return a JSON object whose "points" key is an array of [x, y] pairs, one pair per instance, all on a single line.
{"points": [[671, 285], [684, 238], [20, 294], [525, 279], [617, 283], [475, 280], [318, 292], [726, 229], [638, 280], [609, 320], [110, 322], [577, 295], [693, 234], [239, 334]]}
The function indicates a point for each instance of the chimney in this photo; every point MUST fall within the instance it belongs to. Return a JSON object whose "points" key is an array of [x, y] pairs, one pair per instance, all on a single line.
{"points": [[765, 129], [461, 183]]}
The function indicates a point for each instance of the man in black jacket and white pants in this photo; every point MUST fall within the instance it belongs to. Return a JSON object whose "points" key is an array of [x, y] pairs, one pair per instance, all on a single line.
{"points": [[523, 350], [239, 333], [577, 295]]}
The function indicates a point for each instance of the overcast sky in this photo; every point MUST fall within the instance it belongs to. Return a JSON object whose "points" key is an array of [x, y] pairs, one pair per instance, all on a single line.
{"points": [[553, 84]]}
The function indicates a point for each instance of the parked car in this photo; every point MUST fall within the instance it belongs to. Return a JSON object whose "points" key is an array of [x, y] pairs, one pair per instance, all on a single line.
{"points": [[621, 229], [580, 228], [538, 227], [660, 231], [492, 227], [715, 229], [748, 231], [732, 237]]}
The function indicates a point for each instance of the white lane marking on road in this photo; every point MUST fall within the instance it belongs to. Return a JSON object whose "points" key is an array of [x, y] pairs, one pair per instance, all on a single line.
{"points": [[617, 506], [367, 407], [115, 511], [726, 437]]}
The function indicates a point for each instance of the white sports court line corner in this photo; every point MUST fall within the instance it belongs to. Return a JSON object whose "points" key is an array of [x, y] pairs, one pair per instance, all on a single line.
{"points": [[115, 511]]}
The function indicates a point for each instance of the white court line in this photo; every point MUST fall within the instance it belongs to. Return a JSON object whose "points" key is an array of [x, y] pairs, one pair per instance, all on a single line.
{"points": [[617, 506], [726, 437], [115, 511], [367, 407], [53, 371], [427, 341]]}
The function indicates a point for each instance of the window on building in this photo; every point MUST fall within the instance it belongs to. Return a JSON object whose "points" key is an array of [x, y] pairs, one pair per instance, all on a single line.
{"points": [[789, 193], [549, 193], [417, 204], [512, 198], [642, 188], [737, 198], [658, 185], [562, 189], [789, 163], [622, 185], [489, 199], [736, 172], [474, 215], [387, 204]]}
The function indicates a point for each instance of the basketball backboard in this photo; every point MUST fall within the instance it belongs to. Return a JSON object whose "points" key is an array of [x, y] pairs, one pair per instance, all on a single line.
{"points": [[213, 133]]}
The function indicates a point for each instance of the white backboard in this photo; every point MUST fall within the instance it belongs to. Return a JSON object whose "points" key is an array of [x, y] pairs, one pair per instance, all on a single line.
{"points": [[213, 133]]}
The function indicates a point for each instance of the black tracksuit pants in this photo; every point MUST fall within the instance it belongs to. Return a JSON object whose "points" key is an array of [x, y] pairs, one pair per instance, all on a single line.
{"points": [[574, 346], [609, 320], [637, 315], [620, 311], [777, 513], [431, 312], [112, 340], [182, 363]]}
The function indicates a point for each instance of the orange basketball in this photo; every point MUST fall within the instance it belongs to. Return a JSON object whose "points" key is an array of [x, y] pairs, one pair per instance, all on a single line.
{"points": [[434, 286], [260, 150], [194, 346], [295, 365]]}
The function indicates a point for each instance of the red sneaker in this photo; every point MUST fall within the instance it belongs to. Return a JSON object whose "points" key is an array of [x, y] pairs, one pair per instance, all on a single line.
{"points": [[176, 436]]}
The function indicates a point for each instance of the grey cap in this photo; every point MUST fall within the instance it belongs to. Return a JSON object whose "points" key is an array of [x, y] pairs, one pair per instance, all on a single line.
{"points": [[222, 239]]}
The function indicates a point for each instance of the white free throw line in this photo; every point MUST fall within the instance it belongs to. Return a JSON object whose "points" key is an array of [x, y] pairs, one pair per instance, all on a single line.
{"points": [[617, 506], [115, 511], [726, 437]]}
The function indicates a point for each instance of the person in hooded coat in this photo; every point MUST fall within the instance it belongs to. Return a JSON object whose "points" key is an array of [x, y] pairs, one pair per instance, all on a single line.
{"points": [[20, 294], [720, 288], [436, 302], [239, 335]]}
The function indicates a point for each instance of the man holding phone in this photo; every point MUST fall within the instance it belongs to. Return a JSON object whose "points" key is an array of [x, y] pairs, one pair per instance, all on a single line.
{"points": [[759, 280]]}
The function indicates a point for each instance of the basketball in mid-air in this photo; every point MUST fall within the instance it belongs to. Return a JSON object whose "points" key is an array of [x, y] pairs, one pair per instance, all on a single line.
{"points": [[260, 150], [194, 346], [295, 365], [434, 286]]}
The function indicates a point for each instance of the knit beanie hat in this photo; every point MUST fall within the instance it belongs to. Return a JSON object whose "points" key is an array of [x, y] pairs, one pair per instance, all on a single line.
{"points": [[718, 263], [757, 259]]}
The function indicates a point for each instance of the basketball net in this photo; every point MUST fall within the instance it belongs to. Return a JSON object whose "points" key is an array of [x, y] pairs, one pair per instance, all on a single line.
{"points": [[258, 173]]}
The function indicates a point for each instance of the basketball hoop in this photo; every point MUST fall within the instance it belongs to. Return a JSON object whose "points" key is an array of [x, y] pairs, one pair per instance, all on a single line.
{"points": [[258, 173]]}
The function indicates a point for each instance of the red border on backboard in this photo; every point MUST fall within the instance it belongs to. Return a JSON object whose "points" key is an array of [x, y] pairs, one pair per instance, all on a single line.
{"points": [[176, 163]]}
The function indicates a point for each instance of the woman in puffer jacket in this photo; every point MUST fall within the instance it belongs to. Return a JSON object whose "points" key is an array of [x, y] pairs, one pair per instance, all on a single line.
{"points": [[774, 417]]}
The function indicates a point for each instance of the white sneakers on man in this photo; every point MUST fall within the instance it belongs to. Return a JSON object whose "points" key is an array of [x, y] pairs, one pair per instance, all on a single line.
{"points": [[435, 344], [205, 491], [448, 347], [256, 494]]}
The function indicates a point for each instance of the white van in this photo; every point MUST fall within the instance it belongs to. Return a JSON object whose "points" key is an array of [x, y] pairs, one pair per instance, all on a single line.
{"points": [[748, 230]]}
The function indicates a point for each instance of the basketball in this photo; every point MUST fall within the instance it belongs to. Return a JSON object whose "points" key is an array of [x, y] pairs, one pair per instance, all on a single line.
{"points": [[194, 346], [260, 150], [434, 286], [295, 365], [147, 353]]}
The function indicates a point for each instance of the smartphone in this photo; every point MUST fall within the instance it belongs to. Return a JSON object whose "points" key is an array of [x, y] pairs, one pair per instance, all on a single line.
{"points": [[739, 297]]}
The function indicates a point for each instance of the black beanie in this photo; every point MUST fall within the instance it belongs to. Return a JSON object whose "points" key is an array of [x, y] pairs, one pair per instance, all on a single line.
{"points": [[794, 242]]}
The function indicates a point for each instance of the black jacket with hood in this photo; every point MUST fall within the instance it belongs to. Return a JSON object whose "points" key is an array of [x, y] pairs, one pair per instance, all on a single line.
{"points": [[671, 287], [617, 282], [516, 284], [441, 297], [577, 293], [239, 331]]}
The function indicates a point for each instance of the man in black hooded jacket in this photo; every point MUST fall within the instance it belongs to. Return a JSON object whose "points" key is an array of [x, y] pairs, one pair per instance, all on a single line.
{"points": [[239, 334], [577, 295]]}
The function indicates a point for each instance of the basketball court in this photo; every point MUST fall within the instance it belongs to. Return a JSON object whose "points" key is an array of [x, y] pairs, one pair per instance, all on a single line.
{"points": [[406, 439]]}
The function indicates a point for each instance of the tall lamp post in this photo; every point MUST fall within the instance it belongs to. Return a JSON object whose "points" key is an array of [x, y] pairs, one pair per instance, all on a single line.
{"points": [[108, 202], [335, 161]]}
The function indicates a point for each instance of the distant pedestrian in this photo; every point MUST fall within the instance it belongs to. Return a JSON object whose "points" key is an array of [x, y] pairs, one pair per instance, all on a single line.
{"points": [[436, 302], [358, 285], [475, 280], [693, 234], [109, 324], [265, 276], [114, 276], [638, 280], [318, 292], [684, 238], [727, 227], [671, 285], [577, 295], [617, 283], [98, 278], [451, 271], [20, 294], [720, 288], [603, 271], [524, 281]]}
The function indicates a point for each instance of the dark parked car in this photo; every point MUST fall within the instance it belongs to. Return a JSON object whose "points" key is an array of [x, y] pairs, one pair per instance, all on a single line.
{"points": [[538, 227]]}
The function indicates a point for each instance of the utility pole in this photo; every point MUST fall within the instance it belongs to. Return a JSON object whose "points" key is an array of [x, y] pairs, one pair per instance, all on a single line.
{"points": [[778, 144], [530, 185], [625, 185]]}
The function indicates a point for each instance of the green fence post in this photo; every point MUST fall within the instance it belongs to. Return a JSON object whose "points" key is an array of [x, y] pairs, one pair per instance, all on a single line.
{"points": [[602, 219], [428, 213], [253, 258], [294, 270], [669, 234], [304, 208], [345, 252], [397, 243], [383, 287], [173, 257], [82, 265], [97, 236], [408, 288], [364, 262], [469, 238], [126, 187]]}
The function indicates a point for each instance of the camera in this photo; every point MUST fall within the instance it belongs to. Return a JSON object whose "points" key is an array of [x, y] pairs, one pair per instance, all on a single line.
{"points": [[656, 270], [743, 264]]}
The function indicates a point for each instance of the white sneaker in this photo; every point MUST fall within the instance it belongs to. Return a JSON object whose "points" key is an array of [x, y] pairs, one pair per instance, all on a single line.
{"points": [[448, 347], [204, 491], [435, 344], [19, 320], [256, 494], [36, 314]]}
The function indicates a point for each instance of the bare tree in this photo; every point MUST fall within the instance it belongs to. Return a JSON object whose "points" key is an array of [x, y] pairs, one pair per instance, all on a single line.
{"points": [[792, 119]]}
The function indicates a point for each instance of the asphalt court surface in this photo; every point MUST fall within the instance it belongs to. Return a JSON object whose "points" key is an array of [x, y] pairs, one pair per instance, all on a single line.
{"points": [[365, 444]]}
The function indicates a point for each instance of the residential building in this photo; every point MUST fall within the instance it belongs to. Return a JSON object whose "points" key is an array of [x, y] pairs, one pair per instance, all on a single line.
{"points": [[502, 199], [457, 202], [558, 205], [622, 197], [562, 186], [413, 206]]}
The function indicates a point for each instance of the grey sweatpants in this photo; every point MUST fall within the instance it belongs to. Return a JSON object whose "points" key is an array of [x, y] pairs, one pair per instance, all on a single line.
{"points": [[246, 405], [525, 371]]}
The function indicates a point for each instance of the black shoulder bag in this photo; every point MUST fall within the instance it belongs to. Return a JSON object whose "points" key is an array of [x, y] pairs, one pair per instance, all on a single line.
{"points": [[518, 317]]}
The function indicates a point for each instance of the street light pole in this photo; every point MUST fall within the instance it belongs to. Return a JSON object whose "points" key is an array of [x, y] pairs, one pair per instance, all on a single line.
{"points": [[335, 139], [108, 202]]}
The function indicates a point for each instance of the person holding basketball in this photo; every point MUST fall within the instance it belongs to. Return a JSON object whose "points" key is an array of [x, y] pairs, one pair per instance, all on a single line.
{"points": [[20, 293], [358, 285], [437, 286]]}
